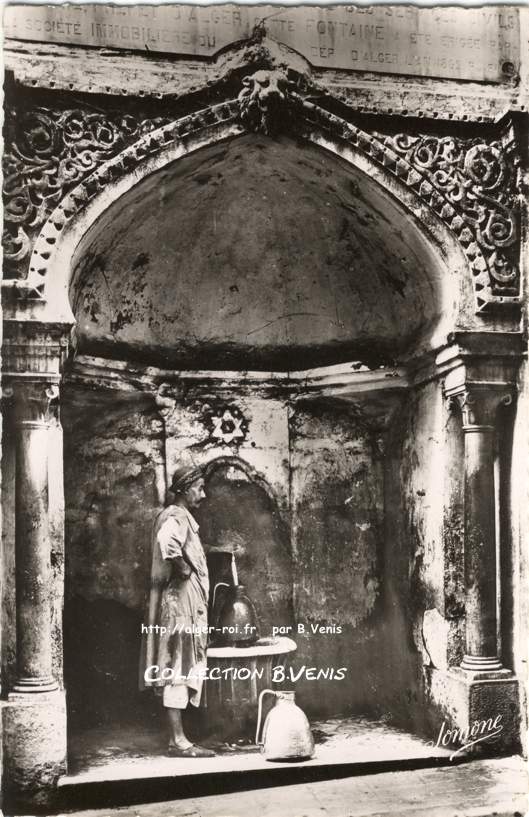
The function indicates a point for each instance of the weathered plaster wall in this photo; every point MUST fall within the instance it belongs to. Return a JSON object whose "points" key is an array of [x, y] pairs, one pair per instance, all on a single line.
{"points": [[423, 569], [338, 538], [111, 455], [378, 545], [112, 459]]}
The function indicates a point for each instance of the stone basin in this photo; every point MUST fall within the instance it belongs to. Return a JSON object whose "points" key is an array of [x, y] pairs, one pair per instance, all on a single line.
{"points": [[230, 711], [277, 645]]}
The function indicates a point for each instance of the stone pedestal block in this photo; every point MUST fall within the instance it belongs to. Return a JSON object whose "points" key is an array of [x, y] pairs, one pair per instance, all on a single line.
{"points": [[34, 741], [481, 708]]}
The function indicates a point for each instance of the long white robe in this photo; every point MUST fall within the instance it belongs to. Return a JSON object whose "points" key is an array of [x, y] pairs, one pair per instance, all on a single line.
{"points": [[179, 605]]}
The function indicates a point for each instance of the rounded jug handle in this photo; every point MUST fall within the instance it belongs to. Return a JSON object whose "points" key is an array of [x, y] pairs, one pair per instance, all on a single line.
{"points": [[219, 584], [260, 710]]}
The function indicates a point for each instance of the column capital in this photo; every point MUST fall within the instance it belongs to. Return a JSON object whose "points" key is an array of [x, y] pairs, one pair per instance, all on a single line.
{"points": [[31, 398], [33, 350], [479, 402]]}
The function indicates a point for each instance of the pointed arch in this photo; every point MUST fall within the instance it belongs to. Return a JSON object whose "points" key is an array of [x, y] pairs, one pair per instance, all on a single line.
{"points": [[387, 160]]}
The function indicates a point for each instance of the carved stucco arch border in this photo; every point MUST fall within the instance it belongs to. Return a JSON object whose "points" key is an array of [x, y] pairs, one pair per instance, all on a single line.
{"points": [[257, 477], [252, 473], [50, 262]]}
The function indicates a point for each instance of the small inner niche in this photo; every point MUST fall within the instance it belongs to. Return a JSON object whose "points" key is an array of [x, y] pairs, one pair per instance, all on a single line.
{"points": [[240, 516]]}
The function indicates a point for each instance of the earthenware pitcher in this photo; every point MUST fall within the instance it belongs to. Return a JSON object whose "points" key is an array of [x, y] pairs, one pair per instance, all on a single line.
{"points": [[286, 731]]}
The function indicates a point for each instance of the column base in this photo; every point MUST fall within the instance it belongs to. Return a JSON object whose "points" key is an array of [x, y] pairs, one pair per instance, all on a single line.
{"points": [[34, 727], [486, 668], [470, 706], [32, 687]]}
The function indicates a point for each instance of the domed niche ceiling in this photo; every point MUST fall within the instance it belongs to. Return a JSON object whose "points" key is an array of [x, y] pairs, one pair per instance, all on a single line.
{"points": [[255, 254]]}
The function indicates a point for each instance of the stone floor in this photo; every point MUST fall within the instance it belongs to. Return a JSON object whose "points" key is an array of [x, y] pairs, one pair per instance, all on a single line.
{"points": [[360, 767], [479, 788], [107, 754]]}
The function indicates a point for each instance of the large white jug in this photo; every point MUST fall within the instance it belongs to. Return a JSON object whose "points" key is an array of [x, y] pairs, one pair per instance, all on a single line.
{"points": [[286, 732]]}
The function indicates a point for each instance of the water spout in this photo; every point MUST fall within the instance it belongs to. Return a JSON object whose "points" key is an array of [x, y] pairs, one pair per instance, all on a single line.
{"points": [[234, 570]]}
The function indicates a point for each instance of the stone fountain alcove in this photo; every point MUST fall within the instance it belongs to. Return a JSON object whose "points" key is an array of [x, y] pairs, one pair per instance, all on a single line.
{"points": [[297, 309], [205, 297]]}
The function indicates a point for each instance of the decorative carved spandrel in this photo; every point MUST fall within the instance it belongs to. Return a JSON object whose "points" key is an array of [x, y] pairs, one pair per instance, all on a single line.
{"points": [[478, 184], [472, 185], [47, 154], [81, 168]]}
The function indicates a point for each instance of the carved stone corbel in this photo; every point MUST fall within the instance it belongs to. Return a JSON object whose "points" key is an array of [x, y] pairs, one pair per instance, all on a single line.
{"points": [[165, 405]]}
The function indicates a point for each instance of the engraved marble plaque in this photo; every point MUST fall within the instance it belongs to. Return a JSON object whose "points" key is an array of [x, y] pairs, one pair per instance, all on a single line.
{"points": [[446, 42]]}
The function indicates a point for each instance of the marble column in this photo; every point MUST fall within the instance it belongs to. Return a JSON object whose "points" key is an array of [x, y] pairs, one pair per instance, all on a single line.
{"points": [[32, 538], [478, 404]]}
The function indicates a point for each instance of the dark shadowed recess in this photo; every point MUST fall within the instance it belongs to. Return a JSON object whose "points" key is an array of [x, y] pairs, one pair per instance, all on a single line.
{"points": [[101, 648]]}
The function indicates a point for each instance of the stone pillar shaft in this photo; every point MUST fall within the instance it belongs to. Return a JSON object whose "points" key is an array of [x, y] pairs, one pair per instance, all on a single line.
{"points": [[34, 715], [480, 549], [478, 405], [32, 540]]}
